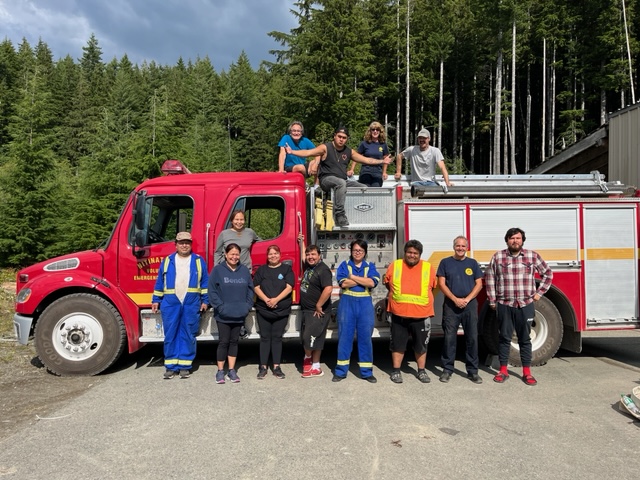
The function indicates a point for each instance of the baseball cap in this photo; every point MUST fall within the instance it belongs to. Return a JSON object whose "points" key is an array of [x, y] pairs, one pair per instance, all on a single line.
{"points": [[183, 236], [341, 129], [424, 133]]}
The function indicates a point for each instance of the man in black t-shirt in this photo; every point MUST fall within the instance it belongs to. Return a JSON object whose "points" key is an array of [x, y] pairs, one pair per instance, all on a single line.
{"points": [[315, 302], [334, 160]]}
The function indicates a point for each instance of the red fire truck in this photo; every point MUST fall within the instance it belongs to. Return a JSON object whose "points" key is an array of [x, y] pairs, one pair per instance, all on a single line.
{"points": [[84, 309]]}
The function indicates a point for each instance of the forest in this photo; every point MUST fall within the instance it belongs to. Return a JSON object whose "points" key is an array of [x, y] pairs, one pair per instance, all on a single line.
{"points": [[503, 85]]}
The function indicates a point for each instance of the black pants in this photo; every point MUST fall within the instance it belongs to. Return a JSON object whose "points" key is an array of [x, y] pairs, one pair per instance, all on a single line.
{"points": [[271, 332], [512, 319], [228, 334], [451, 320]]}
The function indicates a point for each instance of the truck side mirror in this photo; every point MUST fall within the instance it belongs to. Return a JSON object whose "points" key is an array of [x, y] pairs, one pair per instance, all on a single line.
{"points": [[140, 201]]}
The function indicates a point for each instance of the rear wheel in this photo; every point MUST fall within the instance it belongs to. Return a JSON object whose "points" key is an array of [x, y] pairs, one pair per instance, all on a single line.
{"points": [[81, 334], [546, 334]]}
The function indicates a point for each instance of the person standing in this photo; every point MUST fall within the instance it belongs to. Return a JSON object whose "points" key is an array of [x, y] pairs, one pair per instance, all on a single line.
{"points": [[231, 295], [297, 141], [315, 303], [410, 282], [512, 291], [334, 159], [273, 284], [355, 314], [460, 281], [373, 146], [424, 159], [242, 236], [180, 293]]}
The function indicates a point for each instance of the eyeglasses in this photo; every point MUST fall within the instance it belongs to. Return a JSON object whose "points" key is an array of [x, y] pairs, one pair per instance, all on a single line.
{"points": [[296, 131], [357, 250]]}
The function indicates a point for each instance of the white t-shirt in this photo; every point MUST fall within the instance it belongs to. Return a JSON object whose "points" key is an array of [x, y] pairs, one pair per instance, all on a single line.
{"points": [[423, 162], [183, 271]]}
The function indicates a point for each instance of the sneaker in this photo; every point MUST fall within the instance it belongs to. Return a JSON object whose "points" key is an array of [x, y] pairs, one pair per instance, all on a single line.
{"points": [[278, 373], [396, 377], [185, 373], [342, 221], [475, 378], [307, 363], [169, 374], [445, 377], [220, 376], [337, 378], [262, 372], [314, 372], [501, 377], [423, 376], [233, 376], [529, 380], [371, 379]]}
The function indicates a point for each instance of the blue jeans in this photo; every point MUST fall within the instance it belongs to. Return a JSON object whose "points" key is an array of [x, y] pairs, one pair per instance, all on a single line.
{"points": [[451, 319], [339, 186], [424, 183]]}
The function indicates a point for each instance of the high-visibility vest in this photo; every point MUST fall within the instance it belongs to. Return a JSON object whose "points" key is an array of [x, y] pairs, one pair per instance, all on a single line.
{"points": [[402, 297]]}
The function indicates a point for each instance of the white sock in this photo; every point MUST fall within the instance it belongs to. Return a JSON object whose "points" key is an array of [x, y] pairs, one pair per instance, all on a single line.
{"points": [[316, 366], [305, 357]]}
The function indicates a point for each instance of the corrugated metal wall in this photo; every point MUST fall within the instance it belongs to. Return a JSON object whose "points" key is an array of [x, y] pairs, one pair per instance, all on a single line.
{"points": [[624, 146]]}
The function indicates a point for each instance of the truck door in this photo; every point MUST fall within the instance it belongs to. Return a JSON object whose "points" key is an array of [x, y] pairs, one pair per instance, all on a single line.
{"points": [[165, 213]]}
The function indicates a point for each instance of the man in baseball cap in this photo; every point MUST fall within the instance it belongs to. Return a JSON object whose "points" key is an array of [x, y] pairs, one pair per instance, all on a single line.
{"points": [[424, 159]]}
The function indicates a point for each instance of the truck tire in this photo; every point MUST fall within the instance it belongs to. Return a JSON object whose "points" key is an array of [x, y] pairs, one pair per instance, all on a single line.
{"points": [[81, 334], [546, 334]]}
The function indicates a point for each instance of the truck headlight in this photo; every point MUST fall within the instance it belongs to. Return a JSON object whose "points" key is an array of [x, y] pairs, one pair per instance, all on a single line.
{"points": [[23, 295]]}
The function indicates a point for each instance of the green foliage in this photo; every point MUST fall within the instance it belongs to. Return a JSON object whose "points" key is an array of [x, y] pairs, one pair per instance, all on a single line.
{"points": [[77, 136]]}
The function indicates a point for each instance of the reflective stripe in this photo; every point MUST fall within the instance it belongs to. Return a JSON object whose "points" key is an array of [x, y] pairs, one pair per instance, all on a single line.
{"points": [[365, 364], [185, 362], [399, 296], [176, 361], [367, 290], [196, 289], [158, 293], [342, 362]]}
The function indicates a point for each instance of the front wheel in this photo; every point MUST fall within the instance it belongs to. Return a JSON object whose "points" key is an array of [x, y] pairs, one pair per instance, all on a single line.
{"points": [[81, 334]]}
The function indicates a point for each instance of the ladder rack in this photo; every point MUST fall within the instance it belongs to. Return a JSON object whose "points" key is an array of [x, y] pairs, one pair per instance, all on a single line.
{"points": [[560, 185]]}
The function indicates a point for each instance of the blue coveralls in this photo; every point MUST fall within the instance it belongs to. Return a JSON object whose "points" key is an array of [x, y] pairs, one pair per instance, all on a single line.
{"points": [[180, 321], [355, 314]]}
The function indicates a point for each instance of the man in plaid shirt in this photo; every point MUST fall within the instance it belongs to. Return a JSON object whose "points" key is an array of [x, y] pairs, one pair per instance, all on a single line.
{"points": [[511, 291]]}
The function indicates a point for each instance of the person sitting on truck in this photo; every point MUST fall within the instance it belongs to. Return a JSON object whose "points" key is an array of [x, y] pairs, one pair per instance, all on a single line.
{"points": [[356, 314], [231, 295], [373, 146], [334, 159], [180, 293], [511, 286], [297, 141], [273, 285], [243, 236], [410, 282], [424, 159]]}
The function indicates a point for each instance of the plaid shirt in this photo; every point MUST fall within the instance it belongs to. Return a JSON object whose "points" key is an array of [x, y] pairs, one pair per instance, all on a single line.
{"points": [[511, 280]]}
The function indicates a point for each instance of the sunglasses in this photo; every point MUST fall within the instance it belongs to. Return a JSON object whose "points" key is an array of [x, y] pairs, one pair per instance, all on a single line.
{"points": [[375, 129]]}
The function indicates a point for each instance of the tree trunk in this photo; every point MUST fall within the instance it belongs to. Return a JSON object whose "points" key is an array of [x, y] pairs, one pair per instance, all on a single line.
{"points": [[514, 170], [497, 113]]}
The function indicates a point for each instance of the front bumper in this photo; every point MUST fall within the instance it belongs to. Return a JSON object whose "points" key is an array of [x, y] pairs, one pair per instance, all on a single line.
{"points": [[22, 328]]}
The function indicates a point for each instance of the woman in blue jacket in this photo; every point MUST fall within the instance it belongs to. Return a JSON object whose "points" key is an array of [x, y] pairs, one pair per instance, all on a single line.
{"points": [[231, 295]]}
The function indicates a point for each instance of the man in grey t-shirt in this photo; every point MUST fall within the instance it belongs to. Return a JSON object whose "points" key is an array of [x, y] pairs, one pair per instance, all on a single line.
{"points": [[424, 159]]}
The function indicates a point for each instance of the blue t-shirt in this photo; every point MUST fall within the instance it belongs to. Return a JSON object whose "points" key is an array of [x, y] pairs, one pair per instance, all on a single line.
{"points": [[304, 144], [372, 150], [460, 275]]}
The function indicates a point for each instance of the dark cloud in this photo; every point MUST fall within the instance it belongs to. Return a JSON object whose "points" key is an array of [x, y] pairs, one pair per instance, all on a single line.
{"points": [[146, 30]]}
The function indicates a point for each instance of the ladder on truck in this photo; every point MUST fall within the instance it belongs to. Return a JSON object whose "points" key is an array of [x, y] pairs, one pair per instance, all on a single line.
{"points": [[561, 185]]}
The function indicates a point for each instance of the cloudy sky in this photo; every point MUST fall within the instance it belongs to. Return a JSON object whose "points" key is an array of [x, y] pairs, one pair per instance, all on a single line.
{"points": [[160, 30]]}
